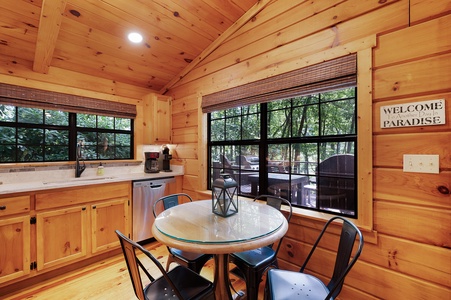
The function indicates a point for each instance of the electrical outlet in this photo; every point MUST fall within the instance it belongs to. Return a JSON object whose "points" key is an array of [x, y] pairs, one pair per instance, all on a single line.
{"points": [[421, 163]]}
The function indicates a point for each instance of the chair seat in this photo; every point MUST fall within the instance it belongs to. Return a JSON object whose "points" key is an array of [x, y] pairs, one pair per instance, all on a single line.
{"points": [[288, 285], [188, 256], [190, 287], [254, 258]]}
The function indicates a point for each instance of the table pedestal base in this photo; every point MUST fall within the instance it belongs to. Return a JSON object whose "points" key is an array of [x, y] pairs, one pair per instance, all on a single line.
{"points": [[222, 280]]}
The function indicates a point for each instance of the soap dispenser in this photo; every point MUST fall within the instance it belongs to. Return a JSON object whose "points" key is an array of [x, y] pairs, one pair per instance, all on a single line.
{"points": [[100, 170]]}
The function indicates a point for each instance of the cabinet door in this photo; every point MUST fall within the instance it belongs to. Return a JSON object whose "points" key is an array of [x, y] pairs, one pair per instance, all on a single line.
{"points": [[157, 119], [107, 217], [14, 248], [61, 236]]}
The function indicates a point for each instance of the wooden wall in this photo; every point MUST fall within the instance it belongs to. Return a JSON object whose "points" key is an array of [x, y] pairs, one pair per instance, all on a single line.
{"points": [[407, 256]]}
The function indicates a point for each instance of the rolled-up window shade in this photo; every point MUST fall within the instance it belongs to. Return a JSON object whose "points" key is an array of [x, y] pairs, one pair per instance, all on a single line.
{"points": [[329, 75], [29, 97]]}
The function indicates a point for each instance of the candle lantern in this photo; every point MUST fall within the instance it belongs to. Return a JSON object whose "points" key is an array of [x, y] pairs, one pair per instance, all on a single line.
{"points": [[224, 196]]}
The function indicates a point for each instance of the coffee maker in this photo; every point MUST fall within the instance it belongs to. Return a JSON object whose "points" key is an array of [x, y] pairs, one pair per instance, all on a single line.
{"points": [[166, 158], [151, 164]]}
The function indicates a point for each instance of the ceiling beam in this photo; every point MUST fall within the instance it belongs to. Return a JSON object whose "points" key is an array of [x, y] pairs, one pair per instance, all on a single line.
{"points": [[49, 27], [213, 46]]}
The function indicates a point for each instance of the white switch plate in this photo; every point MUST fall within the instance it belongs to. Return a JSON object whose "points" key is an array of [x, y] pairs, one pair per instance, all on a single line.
{"points": [[421, 163]]}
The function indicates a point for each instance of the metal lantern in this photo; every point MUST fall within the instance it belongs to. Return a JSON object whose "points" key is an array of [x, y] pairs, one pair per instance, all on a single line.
{"points": [[224, 196]]}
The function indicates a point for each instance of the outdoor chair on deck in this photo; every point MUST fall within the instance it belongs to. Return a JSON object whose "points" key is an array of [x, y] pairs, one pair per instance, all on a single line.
{"points": [[179, 283], [253, 264], [193, 261], [283, 284], [336, 182]]}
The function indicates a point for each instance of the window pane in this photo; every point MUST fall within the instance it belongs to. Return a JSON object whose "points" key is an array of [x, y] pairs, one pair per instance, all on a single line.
{"points": [[217, 130], [123, 140], [30, 136], [278, 158], [236, 111], [30, 115], [56, 117], [7, 153], [105, 142], [57, 137], [7, 135], [305, 121], [7, 113], [123, 124], [279, 124], [304, 158], [56, 153], [338, 117], [122, 152], [105, 122], [233, 129], [251, 127], [89, 139], [85, 120], [30, 153]]}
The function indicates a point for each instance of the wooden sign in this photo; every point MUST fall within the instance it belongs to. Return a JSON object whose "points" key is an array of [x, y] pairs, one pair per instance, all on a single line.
{"points": [[424, 113]]}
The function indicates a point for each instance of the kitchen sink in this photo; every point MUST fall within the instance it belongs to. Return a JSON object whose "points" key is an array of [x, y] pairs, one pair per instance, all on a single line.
{"points": [[79, 180]]}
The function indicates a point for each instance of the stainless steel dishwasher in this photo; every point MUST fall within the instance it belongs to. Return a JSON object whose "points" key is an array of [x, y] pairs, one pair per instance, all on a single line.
{"points": [[145, 193]]}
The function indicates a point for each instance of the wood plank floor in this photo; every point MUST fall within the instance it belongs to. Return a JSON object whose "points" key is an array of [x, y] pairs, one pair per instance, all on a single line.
{"points": [[107, 279]]}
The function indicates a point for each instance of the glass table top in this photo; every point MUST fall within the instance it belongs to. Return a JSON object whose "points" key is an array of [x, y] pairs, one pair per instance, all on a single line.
{"points": [[195, 222]]}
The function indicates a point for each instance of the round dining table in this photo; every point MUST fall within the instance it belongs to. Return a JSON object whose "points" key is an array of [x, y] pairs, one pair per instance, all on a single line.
{"points": [[194, 227]]}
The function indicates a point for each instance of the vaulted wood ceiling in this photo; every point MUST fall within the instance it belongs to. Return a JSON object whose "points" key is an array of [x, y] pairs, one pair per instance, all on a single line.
{"points": [[90, 36]]}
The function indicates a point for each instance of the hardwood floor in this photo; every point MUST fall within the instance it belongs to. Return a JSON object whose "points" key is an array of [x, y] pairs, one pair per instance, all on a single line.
{"points": [[107, 279]]}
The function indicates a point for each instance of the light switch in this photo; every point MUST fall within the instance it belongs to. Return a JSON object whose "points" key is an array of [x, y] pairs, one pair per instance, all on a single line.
{"points": [[421, 163]]}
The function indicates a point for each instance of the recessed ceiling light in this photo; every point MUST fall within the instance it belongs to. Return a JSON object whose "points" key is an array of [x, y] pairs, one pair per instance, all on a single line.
{"points": [[135, 37]]}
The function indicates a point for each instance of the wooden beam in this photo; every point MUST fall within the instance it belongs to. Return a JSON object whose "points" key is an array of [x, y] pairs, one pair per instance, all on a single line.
{"points": [[49, 26], [213, 46]]}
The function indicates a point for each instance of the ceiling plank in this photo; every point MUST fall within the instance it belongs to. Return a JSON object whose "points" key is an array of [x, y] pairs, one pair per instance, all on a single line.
{"points": [[230, 31], [49, 26]]}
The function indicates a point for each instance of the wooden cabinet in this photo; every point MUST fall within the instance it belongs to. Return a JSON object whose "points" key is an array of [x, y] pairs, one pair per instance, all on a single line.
{"points": [[157, 119], [76, 223], [14, 237], [61, 236], [47, 230], [106, 217]]}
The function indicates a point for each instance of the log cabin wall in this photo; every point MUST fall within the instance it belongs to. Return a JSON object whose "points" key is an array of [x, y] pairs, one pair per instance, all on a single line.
{"points": [[407, 255]]}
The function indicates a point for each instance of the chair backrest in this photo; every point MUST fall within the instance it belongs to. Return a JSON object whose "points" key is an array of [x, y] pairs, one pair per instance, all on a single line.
{"points": [[134, 265], [277, 202], [168, 201], [343, 261]]}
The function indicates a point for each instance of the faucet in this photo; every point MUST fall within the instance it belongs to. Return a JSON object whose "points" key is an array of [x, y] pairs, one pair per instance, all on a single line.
{"points": [[79, 168]]}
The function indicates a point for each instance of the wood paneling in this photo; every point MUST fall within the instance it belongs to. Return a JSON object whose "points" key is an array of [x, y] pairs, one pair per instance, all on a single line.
{"points": [[407, 255], [90, 37]]}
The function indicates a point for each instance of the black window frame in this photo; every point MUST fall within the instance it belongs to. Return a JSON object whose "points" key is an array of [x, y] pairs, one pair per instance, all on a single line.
{"points": [[73, 136], [264, 142]]}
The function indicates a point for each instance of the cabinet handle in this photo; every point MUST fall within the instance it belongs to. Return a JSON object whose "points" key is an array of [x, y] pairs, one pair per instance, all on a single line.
{"points": [[94, 207], [3, 207]]}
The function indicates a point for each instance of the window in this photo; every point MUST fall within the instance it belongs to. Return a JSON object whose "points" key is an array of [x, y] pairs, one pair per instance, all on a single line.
{"points": [[38, 135], [302, 148]]}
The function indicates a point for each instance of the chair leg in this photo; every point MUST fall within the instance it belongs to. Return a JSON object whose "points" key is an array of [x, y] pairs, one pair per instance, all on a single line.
{"points": [[252, 283]]}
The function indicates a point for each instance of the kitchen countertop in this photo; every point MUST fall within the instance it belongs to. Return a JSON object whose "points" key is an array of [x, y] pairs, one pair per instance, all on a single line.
{"points": [[81, 181]]}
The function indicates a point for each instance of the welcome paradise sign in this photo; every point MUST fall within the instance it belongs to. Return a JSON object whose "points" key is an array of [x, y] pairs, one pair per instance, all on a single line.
{"points": [[423, 113]]}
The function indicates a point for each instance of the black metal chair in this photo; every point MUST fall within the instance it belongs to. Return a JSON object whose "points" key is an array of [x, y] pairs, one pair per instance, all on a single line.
{"points": [[179, 283], [193, 261], [253, 264], [283, 284]]}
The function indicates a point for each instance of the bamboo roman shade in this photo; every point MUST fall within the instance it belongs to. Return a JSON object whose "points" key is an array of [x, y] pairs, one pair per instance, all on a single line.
{"points": [[333, 74], [29, 97]]}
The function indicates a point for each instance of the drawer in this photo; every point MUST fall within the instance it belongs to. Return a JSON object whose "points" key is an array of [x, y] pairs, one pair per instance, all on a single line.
{"points": [[76, 196], [14, 205]]}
